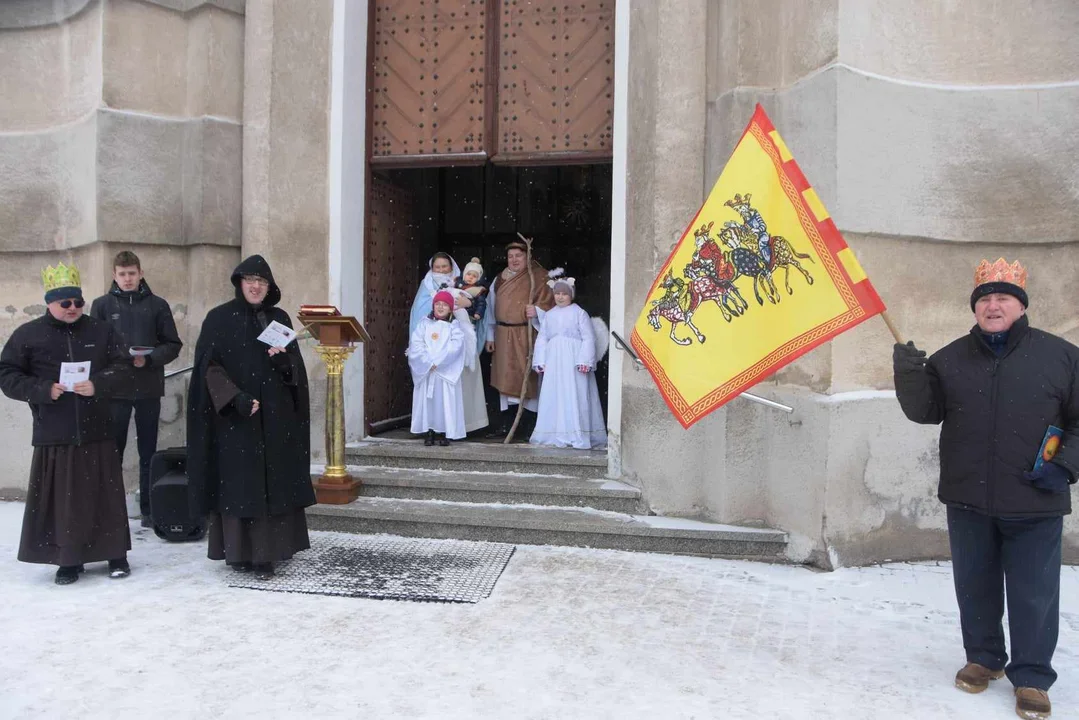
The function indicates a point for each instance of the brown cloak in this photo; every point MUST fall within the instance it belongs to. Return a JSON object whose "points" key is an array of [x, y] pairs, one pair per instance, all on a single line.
{"points": [[510, 361]]}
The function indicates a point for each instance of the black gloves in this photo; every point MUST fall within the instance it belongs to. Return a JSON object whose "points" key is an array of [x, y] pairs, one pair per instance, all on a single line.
{"points": [[243, 403], [907, 358], [1050, 478], [281, 361]]}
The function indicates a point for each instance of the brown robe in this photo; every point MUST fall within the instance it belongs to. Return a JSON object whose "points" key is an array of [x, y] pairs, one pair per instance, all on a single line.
{"points": [[510, 361], [75, 507]]}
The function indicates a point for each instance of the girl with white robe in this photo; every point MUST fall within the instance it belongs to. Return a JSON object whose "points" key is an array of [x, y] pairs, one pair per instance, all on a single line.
{"points": [[569, 412], [436, 356], [442, 271]]}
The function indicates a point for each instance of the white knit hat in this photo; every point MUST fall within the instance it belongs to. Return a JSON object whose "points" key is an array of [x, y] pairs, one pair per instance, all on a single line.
{"points": [[473, 266]]}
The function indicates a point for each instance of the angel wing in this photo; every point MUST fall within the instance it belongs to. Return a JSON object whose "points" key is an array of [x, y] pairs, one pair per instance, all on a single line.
{"points": [[602, 333]]}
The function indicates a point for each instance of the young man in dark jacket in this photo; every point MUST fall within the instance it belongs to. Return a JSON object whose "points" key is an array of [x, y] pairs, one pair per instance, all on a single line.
{"points": [[75, 509], [996, 391], [145, 323]]}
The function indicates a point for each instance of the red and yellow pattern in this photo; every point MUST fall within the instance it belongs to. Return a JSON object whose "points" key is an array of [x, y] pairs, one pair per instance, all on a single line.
{"points": [[709, 330]]}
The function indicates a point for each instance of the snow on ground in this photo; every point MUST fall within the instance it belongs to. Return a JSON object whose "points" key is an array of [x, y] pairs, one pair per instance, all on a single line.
{"points": [[567, 633]]}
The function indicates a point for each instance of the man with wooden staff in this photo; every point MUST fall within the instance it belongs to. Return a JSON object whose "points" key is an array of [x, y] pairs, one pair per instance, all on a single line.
{"points": [[1007, 396], [511, 307]]}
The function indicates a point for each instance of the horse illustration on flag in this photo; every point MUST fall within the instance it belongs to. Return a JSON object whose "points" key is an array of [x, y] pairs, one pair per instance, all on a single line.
{"points": [[719, 288]]}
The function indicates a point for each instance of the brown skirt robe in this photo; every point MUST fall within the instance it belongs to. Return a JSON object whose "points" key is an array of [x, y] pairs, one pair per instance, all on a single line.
{"points": [[238, 540], [257, 540], [75, 507], [510, 360]]}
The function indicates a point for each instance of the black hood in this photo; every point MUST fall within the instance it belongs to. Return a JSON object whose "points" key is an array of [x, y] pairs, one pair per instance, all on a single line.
{"points": [[142, 291], [257, 265]]}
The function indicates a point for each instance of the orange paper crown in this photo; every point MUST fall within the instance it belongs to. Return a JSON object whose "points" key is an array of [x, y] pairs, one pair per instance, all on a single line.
{"points": [[1000, 271]]}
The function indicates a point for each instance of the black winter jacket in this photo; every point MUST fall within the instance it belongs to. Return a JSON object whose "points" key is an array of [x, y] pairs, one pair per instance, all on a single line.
{"points": [[30, 364], [995, 411], [142, 318]]}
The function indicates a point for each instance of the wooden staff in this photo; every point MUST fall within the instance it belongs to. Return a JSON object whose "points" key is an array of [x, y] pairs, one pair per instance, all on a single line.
{"points": [[528, 324]]}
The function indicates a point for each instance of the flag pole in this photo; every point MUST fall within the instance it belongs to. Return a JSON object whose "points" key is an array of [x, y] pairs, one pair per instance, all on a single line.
{"points": [[745, 396], [888, 321]]}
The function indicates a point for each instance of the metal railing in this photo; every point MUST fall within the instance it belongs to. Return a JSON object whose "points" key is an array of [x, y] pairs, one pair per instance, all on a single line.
{"points": [[181, 371]]}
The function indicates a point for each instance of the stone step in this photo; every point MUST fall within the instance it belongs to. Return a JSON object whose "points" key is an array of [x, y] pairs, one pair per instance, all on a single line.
{"points": [[544, 525], [479, 457], [500, 488]]}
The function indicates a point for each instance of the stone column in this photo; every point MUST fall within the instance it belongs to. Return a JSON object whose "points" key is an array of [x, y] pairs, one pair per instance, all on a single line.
{"points": [[665, 178], [286, 171]]}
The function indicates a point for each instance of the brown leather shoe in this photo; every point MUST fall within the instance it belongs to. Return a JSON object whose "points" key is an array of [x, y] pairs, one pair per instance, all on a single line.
{"points": [[974, 678], [1032, 703]]}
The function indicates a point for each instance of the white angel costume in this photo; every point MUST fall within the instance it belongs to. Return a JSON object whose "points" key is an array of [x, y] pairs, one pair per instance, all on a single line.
{"points": [[436, 357], [472, 376], [569, 414]]}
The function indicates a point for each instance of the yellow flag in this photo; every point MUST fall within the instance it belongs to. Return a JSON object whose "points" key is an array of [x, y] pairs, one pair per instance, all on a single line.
{"points": [[760, 277]]}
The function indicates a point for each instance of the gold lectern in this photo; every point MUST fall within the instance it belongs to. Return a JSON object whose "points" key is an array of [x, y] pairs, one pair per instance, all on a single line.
{"points": [[336, 335]]}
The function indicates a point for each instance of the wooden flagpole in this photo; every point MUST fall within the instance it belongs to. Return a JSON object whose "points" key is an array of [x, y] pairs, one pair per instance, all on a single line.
{"points": [[528, 325], [888, 321]]}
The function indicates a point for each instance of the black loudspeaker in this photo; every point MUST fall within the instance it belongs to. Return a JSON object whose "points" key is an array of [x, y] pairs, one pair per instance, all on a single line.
{"points": [[169, 506]]}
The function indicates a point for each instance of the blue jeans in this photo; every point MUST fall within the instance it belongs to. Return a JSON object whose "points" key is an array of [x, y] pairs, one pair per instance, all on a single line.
{"points": [[147, 413], [1023, 555]]}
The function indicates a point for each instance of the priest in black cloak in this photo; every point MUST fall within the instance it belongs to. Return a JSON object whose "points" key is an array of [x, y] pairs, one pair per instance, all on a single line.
{"points": [[248, 430]]}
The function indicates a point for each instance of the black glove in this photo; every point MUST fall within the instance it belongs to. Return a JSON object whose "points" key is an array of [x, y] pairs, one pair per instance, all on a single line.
{"points": [[281, 361], [907, 358], [1050, 477], [243, 403]]}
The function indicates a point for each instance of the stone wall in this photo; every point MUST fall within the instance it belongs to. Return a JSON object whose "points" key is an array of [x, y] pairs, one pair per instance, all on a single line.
{"points": [[120, 129], [936, 134]]}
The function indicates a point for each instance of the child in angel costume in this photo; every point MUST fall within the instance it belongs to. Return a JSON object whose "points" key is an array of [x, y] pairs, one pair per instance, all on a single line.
{"points": [[567, 350], [437, 352]]}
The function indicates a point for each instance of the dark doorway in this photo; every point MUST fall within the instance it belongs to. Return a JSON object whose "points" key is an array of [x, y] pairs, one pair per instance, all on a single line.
{"points": [[473, 212]]}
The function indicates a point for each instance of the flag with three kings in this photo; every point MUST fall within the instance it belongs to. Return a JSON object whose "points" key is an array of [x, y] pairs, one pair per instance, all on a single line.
{"points": [[760, 277]]}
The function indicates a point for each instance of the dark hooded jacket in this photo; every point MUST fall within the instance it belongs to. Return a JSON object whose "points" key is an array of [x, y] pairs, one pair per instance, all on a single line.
{"points": [[142, 318], [30, 364], [994, 412], [239, 464]]}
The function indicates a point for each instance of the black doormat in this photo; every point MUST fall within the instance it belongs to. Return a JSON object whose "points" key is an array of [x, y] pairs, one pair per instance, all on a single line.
{"points": [[389, 568]]}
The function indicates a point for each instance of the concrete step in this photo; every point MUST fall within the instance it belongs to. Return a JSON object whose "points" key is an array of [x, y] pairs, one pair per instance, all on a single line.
{"points": [[479, 457], [544, 525], [499, 488]]}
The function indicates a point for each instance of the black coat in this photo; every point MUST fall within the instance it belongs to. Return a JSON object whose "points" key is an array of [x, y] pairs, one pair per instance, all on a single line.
{"points": [[30, 364], [142, 318], [995, 411], [248, 465]]}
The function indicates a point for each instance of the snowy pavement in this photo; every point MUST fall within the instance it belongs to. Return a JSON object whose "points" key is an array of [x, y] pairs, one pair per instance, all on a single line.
{"points": [[567, 633]]}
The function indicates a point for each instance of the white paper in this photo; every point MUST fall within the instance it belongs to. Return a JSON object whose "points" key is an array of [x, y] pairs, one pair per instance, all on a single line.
{"points": [[71, 373], [277, 335]]}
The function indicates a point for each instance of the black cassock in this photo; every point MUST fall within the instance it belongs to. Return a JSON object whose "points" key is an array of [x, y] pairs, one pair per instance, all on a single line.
{"points": [[250, 474]]}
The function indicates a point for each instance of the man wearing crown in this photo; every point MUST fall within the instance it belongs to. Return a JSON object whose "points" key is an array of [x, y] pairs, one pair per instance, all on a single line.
{"points": [[999, 392], [75, 508], [754, 222]]}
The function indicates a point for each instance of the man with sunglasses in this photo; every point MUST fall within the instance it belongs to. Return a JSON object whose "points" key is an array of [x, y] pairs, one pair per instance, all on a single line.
{"points": [[145, 323], [75, 508]]}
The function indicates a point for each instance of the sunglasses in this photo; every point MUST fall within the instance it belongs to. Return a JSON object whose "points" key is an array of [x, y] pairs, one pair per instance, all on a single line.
{"points": [[65, 304]]}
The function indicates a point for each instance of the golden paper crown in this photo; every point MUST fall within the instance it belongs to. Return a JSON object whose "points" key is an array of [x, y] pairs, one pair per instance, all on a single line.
{"points": [[60, 276], [1000, 271], [705, 229]]}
